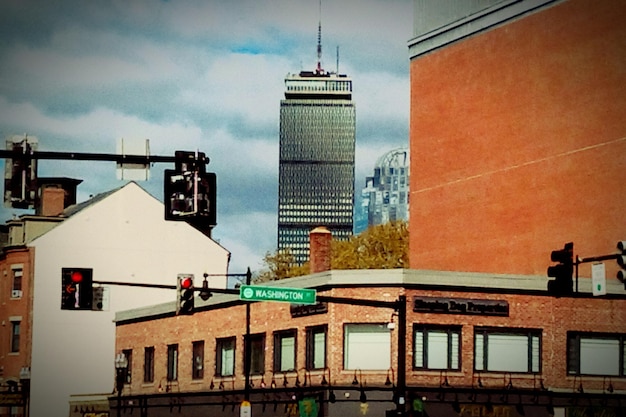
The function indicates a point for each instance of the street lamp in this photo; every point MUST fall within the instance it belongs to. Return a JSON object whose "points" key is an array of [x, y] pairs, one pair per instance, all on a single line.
{"points": [[121, 372]]}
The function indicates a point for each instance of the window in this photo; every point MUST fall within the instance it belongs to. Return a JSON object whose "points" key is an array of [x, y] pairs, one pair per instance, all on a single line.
{"points": [[15, 336], [129, 357], [148, 364], [225, 360], [316, 347], [197, 365], [437, 347], [507, 350], [16, 285], [257, 354], [172, 362], [367, 346], [285, 351], [596, 354]]}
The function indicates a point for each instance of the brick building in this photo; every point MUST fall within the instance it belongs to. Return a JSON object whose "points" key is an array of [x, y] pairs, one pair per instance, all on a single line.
{"points": [[517, 132], [494, 342], [447, 342]]}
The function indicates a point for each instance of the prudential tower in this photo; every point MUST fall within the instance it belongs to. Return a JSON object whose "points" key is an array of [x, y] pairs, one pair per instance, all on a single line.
{"points": [[316, 165]]}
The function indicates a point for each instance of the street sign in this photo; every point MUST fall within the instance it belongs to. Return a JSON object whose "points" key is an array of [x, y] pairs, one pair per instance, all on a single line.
{"points": [[287, 295], [133, 171]]}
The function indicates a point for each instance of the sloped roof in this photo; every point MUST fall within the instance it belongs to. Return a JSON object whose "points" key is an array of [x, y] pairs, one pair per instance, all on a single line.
{"points": [[75, 208]]}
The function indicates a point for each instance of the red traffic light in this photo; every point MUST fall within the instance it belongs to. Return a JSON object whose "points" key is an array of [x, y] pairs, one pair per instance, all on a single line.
{"points": [[76, 277], [186, 283]]}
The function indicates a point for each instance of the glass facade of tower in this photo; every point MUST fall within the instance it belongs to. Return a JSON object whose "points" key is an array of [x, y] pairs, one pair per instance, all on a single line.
{"points": [[385, 197], [316, 166]]}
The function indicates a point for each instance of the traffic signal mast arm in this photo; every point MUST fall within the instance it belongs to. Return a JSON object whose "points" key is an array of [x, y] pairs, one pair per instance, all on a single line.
{"points": [[89, 156]]}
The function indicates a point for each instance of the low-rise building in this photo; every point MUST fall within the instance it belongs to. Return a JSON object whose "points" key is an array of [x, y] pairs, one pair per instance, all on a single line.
{"points": [[448, 343]]}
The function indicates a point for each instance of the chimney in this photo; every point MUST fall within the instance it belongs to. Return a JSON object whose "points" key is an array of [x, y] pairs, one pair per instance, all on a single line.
{"points": [[52, 201], [55, 194], [319, 260]]}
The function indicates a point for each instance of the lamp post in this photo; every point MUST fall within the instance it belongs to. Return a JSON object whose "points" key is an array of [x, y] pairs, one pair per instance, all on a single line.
{"points": [[25, 384], [121, 372]]}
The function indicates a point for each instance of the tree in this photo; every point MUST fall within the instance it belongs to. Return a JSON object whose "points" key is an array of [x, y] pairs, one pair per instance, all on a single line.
{"points": [[279, 265], [383, 246]]}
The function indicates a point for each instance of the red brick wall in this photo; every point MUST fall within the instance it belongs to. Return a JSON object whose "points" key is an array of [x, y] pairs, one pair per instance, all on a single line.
{"points": [[12, 363], [518, 137], [554, 316]]}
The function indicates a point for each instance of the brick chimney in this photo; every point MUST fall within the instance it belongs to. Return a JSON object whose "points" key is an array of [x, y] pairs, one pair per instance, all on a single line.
{"points": [[55, 194], [52, 201], [319, 260]]}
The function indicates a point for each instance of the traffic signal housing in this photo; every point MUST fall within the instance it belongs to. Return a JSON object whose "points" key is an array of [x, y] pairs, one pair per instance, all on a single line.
{"points": [[621, 261], [190, 192], [76, 288], [563, 283], [184, 294]]}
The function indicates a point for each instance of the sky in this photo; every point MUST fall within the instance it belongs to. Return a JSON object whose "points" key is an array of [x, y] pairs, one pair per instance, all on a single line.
{"points": [[201, 75]]}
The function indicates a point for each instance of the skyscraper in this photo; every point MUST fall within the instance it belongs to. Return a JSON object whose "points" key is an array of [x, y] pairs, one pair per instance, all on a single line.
{"points": [[316, 165], [385, 196]]}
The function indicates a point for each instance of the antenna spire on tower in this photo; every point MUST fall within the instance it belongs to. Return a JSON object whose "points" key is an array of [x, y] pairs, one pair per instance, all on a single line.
{"points": [[319, 43]]}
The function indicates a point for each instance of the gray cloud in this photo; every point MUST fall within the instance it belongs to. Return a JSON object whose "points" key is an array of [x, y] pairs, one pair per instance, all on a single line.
{"points": [[190, 75]]}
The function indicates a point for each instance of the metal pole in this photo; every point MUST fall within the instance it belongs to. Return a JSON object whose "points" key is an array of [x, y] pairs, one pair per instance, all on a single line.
{"points": [[247, 353], [401, 355], [577, 262]]}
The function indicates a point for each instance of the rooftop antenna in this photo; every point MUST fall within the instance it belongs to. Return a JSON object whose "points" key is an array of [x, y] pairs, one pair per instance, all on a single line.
{"points": [[319, 43], [337, 60]]}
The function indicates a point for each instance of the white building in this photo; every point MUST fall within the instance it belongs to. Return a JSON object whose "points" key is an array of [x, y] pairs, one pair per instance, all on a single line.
{"points": [[123, 236]]}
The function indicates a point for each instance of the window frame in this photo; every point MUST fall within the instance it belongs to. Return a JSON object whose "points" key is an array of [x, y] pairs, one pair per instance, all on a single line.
{"points": [[257, 354], [346, 348], [197, 357], [16, 330], [311, 353], [529, 333], [172, 362], [279, 338], [148, 364], [17, 278], [427, 329], [574, 363], [220, 345], [129, 370]]}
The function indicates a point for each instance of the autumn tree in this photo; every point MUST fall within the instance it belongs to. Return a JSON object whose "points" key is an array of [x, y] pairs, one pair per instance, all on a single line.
{"points": [[279, 265], [383, 246]]}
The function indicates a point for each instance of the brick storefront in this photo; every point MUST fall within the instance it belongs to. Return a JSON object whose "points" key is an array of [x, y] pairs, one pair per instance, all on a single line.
{"points": [[476, 304]]}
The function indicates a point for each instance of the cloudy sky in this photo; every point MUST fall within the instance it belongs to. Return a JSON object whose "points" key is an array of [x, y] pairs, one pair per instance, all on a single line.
{"points": [[201, 75]]}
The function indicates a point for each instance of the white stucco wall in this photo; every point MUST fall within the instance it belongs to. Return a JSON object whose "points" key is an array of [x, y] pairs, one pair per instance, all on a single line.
{"points": [[125, 238]]}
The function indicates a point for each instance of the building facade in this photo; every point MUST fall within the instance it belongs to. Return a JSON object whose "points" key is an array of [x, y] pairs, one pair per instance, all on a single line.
{"points": [[385, 197], [316, 163], [120, 237], [517, 133], [446, 343]]}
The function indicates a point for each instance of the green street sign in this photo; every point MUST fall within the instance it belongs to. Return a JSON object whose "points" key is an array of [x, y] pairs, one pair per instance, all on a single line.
{"points": [[287, 295]]}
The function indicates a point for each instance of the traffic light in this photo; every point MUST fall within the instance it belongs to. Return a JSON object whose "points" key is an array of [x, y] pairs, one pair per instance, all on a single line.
{"points": [[621, 261], [76, 288], [189, 191], [184, 294], [20, 176], [562, 284]]}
